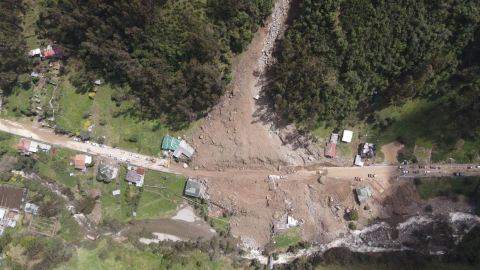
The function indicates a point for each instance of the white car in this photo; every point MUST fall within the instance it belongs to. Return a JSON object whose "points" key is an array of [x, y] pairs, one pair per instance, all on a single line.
{"points": [[427, 171], [109, 155], [130, 154], [94, 144], [137, 156], [405, 171], [84, 151]]}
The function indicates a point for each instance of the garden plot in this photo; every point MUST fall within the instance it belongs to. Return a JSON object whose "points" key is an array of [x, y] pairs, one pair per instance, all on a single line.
{"points": [[43, 225]]}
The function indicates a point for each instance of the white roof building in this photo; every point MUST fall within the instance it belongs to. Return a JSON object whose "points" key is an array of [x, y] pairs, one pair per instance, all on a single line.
{"points": [[35, 52], [33, 147], [88, 159], [347, 136], [358, 161], [44, 147], [31, 208], [3, 212], [116, 192], [183, 148]]}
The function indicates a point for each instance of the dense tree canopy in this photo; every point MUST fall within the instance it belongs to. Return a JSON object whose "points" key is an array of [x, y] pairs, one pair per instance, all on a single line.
{"points": [[174, 54], [12, 49], [343, 57]]}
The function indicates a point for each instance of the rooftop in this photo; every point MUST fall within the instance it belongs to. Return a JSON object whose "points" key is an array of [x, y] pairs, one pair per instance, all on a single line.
{"points": [[192, 188], [347, 136], [184, 148], [106, 173], [170, 143], [330, 150]]}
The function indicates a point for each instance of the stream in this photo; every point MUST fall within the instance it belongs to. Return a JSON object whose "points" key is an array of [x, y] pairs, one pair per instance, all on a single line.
{"points": [[432, 234]]}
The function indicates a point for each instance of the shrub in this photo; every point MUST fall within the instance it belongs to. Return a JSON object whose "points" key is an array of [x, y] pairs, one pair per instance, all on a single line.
{"points": [[103, 254], [353, 215], [103, 122], [352, 226], [367, 207], [133, 138]]}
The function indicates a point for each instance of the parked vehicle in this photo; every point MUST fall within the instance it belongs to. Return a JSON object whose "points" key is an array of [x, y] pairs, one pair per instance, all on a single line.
{"points": [[400, 167], [433, 167], [459, 174], [405, 171], [427, 171], [115, 158], [469, 167], [137, 156], [109, 155], [478, 166], [94, 144], [372, 175], [130, 154], [416, 172]]}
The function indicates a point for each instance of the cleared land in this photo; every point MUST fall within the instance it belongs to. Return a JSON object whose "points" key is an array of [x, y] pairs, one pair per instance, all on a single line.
{"points": [[11, 197]]}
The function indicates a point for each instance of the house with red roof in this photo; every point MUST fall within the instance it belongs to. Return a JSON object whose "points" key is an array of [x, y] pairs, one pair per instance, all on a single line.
{"points": [[53, 52]]}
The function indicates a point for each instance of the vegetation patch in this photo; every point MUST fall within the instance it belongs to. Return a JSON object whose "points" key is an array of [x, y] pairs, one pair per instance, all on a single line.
{"points": [[287, 239], [428, 188]]}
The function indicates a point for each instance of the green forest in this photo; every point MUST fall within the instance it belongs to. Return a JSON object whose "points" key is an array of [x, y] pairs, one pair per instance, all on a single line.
{"points": [[174, 55], [12, 50], [342, 60]]}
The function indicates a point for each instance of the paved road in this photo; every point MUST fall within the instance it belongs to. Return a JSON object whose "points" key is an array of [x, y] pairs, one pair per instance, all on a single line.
{"points": [[384, 171]]}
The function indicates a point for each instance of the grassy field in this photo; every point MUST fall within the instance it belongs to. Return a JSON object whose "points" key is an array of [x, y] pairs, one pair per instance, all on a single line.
{"points": [[125, 256], [161, 203], [284, 240], [428, 188], [18, 100], [73, 104], [110, 208], [56, 167]]}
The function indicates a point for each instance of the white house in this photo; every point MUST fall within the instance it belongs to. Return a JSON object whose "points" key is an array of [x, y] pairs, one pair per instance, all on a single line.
{"points": [[347, 136]]}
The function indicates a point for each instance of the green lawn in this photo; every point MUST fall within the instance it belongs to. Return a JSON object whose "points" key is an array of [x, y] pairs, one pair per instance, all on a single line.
{"points": [[428, 188], [284, 240], [159, 203], [18, 100], [73, 104], [56, 167], [129, 257], [110, 208]]}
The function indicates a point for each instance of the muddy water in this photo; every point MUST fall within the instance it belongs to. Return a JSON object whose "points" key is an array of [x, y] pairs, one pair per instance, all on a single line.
{"points": [[183, 226], [390, 151], [382, 237]]}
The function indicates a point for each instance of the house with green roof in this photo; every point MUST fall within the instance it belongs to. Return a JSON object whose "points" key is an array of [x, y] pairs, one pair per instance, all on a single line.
{"points": [[170, 143]]}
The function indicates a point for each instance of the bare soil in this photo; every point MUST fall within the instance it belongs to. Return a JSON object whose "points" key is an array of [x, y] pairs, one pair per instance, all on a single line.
{"points": [[391, 150], [240, 132]]}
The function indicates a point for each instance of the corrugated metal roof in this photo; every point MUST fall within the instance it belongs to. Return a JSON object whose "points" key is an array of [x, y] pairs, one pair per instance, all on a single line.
{"points": [[170, 143], [192, 188]]}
